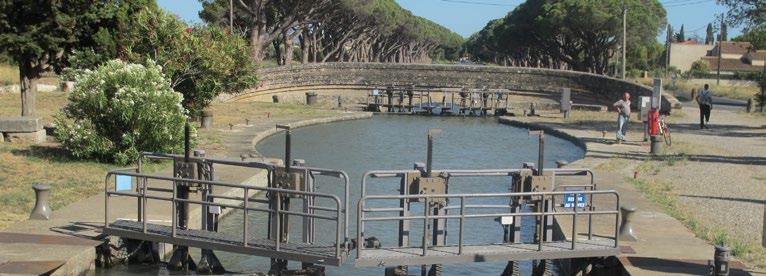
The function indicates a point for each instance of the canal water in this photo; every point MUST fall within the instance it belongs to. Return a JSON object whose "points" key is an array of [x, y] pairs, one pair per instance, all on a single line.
{"points": [[390, 142]]}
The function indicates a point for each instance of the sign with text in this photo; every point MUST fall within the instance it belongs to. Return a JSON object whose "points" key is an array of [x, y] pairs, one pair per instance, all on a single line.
{"points": [[569, 200]]}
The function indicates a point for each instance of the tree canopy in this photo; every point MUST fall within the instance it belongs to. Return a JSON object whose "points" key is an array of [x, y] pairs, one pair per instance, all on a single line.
{"points": [[336, 30], [749, 13], [38, 35], [581, 35]]}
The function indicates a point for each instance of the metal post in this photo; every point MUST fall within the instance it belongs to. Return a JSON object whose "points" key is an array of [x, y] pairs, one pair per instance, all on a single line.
{"points": [[231, 15], [624, 36], [541, 149], [429, 160], [720, 52]]}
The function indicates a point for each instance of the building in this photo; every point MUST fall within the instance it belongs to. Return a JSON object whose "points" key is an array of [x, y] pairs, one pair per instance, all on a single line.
{"points": [[684, 54], [736, 57]]}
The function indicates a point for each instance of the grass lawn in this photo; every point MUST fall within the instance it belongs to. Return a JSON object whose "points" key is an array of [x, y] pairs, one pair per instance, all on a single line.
{"points": [[48, 104], [9, 74]]}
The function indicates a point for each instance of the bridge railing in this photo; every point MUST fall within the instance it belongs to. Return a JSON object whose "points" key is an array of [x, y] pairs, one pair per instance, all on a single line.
{"points": [[243, 203], [473, 211]]}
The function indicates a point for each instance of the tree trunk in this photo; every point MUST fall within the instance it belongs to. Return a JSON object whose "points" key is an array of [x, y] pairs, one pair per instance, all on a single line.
{"points": [[28, 87], [256, 46]]}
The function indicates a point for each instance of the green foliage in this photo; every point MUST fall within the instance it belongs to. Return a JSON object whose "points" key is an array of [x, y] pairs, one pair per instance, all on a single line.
{"points": [[336, 30], [750, 13], [200, 62], [119, 110], [699, 67], [756, 36], [571, 34], [681, 35]]}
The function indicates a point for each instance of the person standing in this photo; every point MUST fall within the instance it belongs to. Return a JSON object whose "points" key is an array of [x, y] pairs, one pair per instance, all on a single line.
{"points": [[623, 116], [705, 100]]}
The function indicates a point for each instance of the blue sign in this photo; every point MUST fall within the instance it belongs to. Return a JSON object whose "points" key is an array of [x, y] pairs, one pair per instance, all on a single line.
{"points": [[569, 200], [124, 183]]}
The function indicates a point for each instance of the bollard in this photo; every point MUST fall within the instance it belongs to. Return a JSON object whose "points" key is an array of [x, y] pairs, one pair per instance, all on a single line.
{"points": [[626, 229], [42, 210], [532, 107], [207, 119], [656, 145], [275, 99], [721, 260], [561, 163], [340, 102], [750, 105], [311, 98], [247, 122]]}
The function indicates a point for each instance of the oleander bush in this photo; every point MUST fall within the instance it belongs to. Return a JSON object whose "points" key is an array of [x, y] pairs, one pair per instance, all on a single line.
{"points": [[120, 109]]}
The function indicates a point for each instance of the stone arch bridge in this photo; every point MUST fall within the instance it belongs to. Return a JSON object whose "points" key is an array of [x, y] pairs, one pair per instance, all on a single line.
{"points": [[353, 79]]}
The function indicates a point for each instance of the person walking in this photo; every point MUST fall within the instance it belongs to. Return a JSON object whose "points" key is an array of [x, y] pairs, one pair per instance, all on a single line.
{"points": [[623, 116], [705, 100]]}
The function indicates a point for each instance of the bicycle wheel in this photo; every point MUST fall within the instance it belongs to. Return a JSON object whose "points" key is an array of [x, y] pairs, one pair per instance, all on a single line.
{"points": [[666, 135]]}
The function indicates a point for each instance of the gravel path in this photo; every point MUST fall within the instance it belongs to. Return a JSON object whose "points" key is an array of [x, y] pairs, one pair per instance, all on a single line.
{"points": [[723, 184]]}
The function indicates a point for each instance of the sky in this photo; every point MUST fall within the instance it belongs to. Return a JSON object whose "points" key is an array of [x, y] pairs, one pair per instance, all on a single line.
{"points": [[466, 17]]}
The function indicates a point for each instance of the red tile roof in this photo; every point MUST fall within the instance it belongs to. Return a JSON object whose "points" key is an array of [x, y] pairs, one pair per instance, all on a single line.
{"points": [[739, 48], [731, 65]]}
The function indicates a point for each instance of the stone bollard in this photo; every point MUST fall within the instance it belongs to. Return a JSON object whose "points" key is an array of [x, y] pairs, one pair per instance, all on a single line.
{"points": [[207, 119], [42, 211], [340, 102], [656, 145], [311, 98], [750, 105], [275, 99], [626, 229], [532, 107], [561, 163], [721, 260], [694, 95], [67, 86]]}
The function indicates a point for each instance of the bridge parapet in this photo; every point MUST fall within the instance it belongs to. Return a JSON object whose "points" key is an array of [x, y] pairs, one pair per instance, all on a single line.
{"points": [[362, 76]]}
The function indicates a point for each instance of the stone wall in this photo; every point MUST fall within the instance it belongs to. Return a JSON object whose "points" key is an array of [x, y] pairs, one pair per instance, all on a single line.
{"points": [[586, 87]]}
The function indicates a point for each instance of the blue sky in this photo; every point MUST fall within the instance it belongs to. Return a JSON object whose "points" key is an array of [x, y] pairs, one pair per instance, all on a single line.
{"points": [[468, 16]]}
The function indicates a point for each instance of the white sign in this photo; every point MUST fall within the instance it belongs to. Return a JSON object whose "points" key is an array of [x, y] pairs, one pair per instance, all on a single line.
{"points": [[657, 93], [506, 220]]}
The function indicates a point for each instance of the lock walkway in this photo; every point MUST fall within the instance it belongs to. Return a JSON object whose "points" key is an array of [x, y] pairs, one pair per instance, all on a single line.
{"points": [[82, 220]]}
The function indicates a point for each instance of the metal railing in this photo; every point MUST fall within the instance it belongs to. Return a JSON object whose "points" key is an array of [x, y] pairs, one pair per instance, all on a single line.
{"points": [[140, 193], [449, 173], [591, 186], [464, 214]]}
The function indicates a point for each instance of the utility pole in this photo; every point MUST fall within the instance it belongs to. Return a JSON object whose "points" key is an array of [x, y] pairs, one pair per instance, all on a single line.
{"points": [[624, 36], [667, 50], [761, 103], [231, 15], [720, 52]]}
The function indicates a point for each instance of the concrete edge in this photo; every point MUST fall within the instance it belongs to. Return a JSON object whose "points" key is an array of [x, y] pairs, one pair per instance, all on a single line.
{"points": [[343, 117], [548, 130]]}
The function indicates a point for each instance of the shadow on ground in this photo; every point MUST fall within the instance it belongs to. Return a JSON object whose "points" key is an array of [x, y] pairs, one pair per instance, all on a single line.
{"points": [[691, 267]]}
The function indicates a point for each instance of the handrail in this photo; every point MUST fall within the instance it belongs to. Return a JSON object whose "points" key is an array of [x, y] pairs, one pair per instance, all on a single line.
{"points": [[361, 210], [450, 173], [277, 209]]}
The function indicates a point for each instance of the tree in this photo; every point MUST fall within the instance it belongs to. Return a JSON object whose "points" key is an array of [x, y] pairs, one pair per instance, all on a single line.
{"points": [[569, 34], [755, 36], [681, 36], [201, 62], [36, 34], [709, 34], [336, 30], [748, 13]]}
